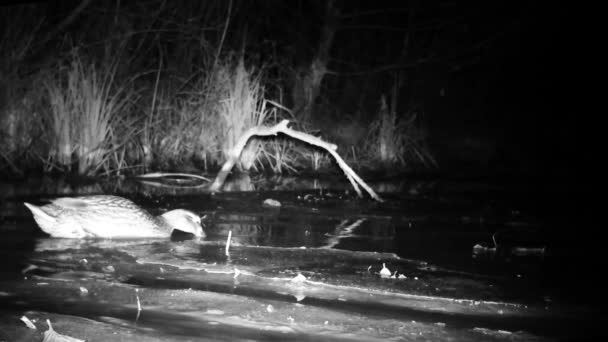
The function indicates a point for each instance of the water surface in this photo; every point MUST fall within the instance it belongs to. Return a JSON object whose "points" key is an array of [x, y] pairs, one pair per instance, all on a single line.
{"points": [[467, 261]]}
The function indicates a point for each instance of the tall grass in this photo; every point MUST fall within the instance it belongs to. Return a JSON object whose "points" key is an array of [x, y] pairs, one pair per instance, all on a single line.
{"points": [[204, 123], [85, 109], [279, 154], [78, 114], [394, 140], [184, 132], [184, 128], [242, 108]]}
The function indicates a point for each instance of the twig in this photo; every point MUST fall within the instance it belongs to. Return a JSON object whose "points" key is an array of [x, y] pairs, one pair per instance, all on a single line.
{"points": [[64, 23], [10, 163], [342, 231], [28, 323], [219, 49], [138, 306], [228, 242]]}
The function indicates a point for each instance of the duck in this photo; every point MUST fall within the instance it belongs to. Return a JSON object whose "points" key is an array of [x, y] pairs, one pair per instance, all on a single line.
{"points": [[110, 217]]}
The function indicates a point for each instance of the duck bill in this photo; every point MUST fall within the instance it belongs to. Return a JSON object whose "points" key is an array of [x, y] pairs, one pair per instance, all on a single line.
{"points": [[200, 232]]}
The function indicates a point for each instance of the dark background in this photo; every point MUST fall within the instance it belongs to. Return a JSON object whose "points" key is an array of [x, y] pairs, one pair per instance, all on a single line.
{"points": [[493, 81]]}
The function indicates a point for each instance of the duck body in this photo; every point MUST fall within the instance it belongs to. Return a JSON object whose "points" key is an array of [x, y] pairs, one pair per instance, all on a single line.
{"points": [[106, 216]]}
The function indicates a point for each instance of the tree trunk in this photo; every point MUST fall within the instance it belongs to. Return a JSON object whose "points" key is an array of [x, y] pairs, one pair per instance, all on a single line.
{"points": [[307, 83]]}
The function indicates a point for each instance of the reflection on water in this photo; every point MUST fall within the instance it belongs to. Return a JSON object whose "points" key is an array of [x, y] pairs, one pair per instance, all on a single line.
{"points": [[308, 270]]}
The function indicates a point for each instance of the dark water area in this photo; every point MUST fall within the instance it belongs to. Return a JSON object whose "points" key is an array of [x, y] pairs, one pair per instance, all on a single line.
{"points": [[468, 260]]}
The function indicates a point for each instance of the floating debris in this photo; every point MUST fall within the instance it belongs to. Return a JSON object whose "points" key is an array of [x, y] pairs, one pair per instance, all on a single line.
{"points": [[28, 323], [29, 267], [299, 296], [52, 336], [109, 269], [298, 279], [138, 305], [215, 312], [528, 251], [228, 242], [385, 272], [272, 203]]}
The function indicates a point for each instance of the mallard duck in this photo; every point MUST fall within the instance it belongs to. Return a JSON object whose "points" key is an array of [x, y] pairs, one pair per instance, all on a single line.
{"points": [[105, 216]]}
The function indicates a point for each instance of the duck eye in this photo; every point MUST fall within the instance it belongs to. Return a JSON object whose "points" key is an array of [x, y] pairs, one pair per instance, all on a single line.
{"points": [[194, 219]]}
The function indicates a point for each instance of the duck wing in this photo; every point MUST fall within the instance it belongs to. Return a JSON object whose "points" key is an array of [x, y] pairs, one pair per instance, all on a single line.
{"points": [[49, 219], [107, 216]]}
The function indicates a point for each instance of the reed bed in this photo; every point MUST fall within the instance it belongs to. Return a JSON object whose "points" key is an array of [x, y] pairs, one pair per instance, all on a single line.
{"points": [[395, 140], [164, 89], [86, 109]]}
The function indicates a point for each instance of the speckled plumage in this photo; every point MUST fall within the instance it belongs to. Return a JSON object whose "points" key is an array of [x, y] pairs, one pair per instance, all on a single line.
{"points": [[105, 216]]}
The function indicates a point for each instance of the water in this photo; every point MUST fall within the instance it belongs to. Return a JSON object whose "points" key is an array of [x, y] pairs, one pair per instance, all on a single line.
{"points": [[469, 262]]}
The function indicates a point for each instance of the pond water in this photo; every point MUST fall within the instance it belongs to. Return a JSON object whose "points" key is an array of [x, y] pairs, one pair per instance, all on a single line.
{"points": [[464, 261]]}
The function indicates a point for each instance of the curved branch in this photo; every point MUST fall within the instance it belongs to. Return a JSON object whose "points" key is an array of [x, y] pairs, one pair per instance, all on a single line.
{"points": [[281, 127]]}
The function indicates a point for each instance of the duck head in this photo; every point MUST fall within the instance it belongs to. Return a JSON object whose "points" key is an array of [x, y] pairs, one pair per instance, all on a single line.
{"points": [[184, 220]]}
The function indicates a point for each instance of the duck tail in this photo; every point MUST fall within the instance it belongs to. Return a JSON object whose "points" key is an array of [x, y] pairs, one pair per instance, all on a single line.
{"points": [[43, 219]]}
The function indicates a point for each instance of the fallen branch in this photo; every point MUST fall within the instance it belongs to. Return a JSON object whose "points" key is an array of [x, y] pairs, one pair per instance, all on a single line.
{"points": [[281, 127]]}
